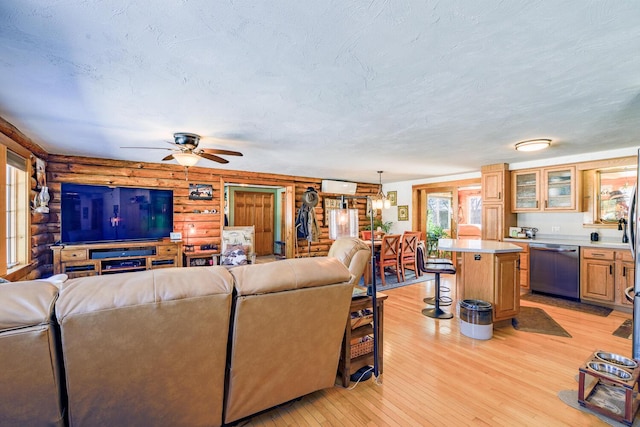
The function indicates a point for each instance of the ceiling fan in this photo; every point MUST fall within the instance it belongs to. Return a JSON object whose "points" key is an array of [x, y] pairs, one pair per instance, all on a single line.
{"points": [[187, 153]]}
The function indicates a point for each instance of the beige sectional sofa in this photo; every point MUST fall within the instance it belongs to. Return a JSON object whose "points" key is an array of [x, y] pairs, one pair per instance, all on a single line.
{"points": [[176, 347]]}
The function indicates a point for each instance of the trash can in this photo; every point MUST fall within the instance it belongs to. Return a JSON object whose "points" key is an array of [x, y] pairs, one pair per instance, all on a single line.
{"points": [[476, 319]]}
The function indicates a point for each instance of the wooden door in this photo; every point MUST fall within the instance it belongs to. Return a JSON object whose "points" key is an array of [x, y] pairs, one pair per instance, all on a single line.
{"points": [[257, 209]]}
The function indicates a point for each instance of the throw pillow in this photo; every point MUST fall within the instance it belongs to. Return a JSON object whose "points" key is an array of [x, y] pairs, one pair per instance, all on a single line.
{"points": [[234, 255]]}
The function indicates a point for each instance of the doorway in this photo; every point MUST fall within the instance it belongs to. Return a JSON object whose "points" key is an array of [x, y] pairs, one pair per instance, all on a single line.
{"points": [[264, 207]]}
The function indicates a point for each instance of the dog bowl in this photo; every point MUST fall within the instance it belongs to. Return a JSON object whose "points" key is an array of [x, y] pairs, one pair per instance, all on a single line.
{"points": [[616, 359], [609, 370]]}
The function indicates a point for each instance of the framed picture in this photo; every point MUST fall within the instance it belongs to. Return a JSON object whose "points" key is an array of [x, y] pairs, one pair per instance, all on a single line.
{"points": [[200, 192], [393, 197], [403, 213], [330, 204]]}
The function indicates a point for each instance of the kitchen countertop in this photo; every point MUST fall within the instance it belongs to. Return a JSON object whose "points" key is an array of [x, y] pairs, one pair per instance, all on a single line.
{"points": [[480, 246], [574, 241]]}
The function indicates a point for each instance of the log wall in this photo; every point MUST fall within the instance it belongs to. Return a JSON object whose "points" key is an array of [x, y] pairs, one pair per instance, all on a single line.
{"points": [[207, 226]]}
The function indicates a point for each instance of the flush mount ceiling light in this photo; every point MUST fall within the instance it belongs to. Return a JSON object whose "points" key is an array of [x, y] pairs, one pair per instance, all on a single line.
{"points": [[533, 145]]}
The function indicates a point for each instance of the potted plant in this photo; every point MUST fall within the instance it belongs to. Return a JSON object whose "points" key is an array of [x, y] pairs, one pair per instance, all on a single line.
{"points": [[378, 223]]}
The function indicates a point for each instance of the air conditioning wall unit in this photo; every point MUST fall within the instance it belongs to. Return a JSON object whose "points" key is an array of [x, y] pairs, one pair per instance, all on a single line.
{"points": [[338, 187]]}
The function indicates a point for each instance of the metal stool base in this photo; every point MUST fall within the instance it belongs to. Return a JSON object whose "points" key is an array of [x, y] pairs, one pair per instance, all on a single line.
{"points": [[436, 313], [445, 301]]}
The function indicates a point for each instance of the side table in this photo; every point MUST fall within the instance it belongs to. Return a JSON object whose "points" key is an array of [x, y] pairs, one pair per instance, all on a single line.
{"points": [[356, 329], [200, 258]]}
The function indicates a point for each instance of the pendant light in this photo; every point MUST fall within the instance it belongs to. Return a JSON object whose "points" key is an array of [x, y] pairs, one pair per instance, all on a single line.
{"points": [[380, 200]]}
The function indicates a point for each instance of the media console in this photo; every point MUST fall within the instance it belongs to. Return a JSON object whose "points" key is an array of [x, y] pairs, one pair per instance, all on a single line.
{"points": [[78, 260]]}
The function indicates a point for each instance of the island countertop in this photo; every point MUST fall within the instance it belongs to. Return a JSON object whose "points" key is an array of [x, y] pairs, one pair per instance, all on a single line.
{"points": [[480, 246]]}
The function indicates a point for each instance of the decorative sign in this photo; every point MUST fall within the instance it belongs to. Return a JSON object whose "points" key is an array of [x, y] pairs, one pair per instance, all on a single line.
{"points": [[403, 213], [200, 192], [393, 197]]}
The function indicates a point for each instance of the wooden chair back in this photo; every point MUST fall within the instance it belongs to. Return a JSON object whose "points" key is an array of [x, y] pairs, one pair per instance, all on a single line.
{"points": [[408, 252], [389, 254]]}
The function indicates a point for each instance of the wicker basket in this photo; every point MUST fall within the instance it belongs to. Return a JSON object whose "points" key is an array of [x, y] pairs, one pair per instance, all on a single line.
{"points": [[356, 322], [361, 348]]}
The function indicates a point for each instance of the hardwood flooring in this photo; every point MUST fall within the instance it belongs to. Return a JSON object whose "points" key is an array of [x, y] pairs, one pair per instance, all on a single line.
{"points": [[435, 376]]}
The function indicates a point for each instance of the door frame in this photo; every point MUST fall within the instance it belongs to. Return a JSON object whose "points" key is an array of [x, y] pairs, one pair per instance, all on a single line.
{"points": [[288, 210]]}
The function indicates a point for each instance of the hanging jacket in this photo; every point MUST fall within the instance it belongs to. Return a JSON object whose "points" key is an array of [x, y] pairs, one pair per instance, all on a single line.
{"points": [[307, 224]]}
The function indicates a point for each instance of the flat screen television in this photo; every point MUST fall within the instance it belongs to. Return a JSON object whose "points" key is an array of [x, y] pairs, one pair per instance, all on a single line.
{"points": [[96, 213]]}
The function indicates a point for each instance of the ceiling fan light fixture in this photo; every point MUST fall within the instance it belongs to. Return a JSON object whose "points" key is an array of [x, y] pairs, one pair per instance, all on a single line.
{"points": [[186, 159], [533, 144]]}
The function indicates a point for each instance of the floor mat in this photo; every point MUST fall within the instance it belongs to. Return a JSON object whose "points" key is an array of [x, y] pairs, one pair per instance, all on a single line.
{"points": [[534, 319], [570, 397], [564, 303], [625, 330]]}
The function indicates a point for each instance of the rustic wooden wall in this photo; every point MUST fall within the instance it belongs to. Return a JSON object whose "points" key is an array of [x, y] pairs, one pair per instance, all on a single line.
{"points": [[207, 227]]}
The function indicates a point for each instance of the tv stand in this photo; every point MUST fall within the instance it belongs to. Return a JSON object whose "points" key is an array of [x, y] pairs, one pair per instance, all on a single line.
{"points": [[108, 258]]}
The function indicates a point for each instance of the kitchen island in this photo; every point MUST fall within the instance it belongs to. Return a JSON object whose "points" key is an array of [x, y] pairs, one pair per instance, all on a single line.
{"points": [[487, 270]]}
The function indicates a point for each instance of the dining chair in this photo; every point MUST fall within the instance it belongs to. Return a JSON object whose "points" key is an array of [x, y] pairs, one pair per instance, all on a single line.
{"points": [[365, 234], [389, 255], [409, 253]]}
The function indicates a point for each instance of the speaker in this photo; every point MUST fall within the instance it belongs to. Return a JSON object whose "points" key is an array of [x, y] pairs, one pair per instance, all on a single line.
{"points": [[338, 187]]}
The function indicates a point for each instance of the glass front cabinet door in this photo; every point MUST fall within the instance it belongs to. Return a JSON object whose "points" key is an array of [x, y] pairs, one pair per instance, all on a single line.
{"points": [[560, 188], [526, 191]]}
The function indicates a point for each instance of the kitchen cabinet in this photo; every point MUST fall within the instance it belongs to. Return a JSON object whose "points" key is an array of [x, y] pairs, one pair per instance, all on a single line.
{"points": [[553, 189], [491, 277], [605, 273], [496, 202], [624, 277], [524, 264]]}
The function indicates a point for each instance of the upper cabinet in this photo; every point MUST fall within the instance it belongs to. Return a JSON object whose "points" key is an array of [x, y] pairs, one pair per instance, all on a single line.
{"points": [[552, 189], [497, 216]]}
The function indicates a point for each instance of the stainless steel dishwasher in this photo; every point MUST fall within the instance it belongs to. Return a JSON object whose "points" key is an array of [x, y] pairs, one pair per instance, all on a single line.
{"points": [[555, 269]]}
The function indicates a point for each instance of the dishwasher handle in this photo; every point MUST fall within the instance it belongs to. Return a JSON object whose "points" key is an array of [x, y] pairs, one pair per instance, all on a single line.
{"points": [[554, 249]]}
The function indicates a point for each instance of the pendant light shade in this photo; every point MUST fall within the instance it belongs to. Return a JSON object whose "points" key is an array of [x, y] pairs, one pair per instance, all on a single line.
{"points": [[380, 200]]}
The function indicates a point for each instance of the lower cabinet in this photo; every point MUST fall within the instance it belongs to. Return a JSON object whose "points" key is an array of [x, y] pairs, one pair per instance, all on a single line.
{"points": [[524, 264], [605, 274], [494, 278]]}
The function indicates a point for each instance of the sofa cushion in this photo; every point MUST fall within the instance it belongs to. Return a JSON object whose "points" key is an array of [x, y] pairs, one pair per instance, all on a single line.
{"points": [[289, 274], [30, 382], [146, 348]]}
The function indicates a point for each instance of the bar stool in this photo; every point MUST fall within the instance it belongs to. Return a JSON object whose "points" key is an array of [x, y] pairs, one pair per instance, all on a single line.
{"points": [[445, 301], [437, 269]]}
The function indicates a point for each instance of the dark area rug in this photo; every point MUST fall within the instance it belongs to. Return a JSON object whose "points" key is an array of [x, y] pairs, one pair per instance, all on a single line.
{"points": [[565, 303], [391, 281], [625, 330], [534, 319]]}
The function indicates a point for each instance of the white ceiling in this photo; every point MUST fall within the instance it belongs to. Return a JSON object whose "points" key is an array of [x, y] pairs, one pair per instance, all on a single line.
{"points": [[335, 89]]}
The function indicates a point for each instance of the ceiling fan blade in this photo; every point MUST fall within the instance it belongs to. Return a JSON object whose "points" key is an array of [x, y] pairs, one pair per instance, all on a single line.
{"points": [[213, 158], [149, 148], [223, 152], [169, 157]]}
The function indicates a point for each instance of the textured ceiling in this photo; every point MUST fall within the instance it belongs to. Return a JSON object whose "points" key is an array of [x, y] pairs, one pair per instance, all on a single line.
{"points": [[325, 89]]}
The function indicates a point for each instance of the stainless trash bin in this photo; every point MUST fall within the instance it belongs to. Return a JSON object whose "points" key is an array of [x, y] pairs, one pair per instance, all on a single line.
{"points": [[476, 319]]}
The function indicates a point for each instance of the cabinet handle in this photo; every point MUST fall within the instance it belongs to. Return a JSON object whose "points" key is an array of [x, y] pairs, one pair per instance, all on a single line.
{"points": [[610, 269], [546, 204], [624, 271], [499, 194], [596, 255], [536, 204]]}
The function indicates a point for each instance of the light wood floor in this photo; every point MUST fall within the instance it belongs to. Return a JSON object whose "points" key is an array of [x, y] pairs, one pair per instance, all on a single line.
{"points": [[435, 376]]}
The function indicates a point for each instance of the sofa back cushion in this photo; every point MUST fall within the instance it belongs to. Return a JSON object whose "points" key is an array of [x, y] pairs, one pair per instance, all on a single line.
{"points": [[30, 381], [146, 348], [353, 253], [288, 323]]}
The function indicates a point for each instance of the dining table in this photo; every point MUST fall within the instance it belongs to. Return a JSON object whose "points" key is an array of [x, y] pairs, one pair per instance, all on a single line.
{"points": [[377, 244]]}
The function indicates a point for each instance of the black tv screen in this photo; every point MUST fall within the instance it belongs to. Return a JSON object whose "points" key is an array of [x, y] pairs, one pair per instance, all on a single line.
{"points": [[96, 213]]}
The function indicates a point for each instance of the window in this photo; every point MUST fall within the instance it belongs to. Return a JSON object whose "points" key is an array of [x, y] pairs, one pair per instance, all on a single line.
{"points": [[17, 210], [615, 188]]}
